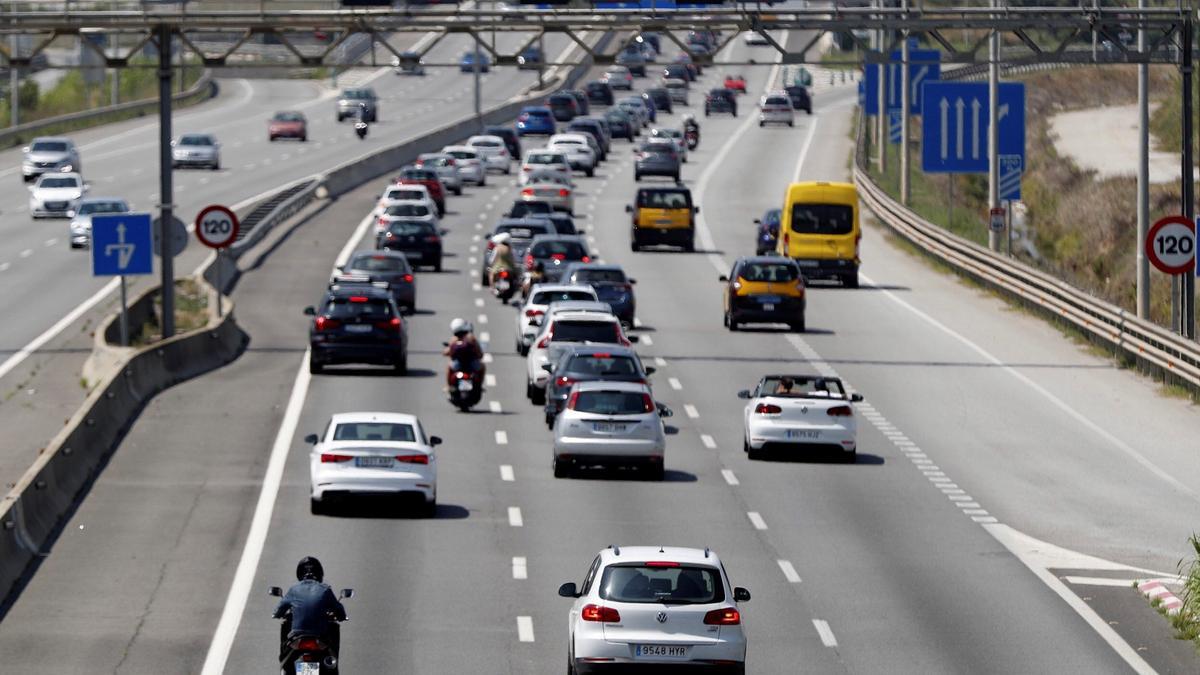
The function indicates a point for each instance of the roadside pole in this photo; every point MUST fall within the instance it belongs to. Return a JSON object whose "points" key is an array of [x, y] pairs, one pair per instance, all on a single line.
{"points": [[475, 67], [905, 105], [166, 190], [1187, 311], [881, 118], [1142, 271], [124, 314], [14, 85], [994, 130]]}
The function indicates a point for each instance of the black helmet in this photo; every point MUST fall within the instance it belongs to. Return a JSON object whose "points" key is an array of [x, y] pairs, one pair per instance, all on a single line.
{"points": [[310, 568]]}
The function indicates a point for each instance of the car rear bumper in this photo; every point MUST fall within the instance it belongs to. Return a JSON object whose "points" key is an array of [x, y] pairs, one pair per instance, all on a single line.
{"points": [[827, 437], [670, 236], [331, 487], [788, 310], [776, 117], [496, 162], [657, 170], [826, 268], [194, 161], [597, 655], [590, 450], [329, 354]]}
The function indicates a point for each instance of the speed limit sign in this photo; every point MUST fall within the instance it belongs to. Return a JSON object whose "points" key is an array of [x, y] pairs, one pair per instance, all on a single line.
{"points": [[216, 226], [1171, 245]]}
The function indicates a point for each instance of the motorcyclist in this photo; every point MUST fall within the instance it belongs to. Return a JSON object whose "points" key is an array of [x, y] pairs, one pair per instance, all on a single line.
{"points": [[535, 276], [310, 608], [691, 126], [464, 351], [502, 256], [360, 122]]}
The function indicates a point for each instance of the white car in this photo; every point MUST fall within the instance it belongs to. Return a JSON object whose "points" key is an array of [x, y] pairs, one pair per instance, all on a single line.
{"points": [[373, 454], [405, 193], [798, 414], [568, 327], [200, 150], [552, 189], [493, 152], [81, 217], [545, 161], [753, 37], [446, 168], [775, 108], [579, 152], [470, 166], [423, 212], [586, 306], [529, 319], [655, 606], [610, 424], [677, 89], [618, 77], [675, 136], [54, 195]]}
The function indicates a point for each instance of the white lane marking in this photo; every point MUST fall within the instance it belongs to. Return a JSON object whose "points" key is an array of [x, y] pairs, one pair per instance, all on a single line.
{"points": [[646, 339], [691, 410], [482, 319], [825, 632], [494, 406], [756, 520], [985, 519], [729, 477], [4, 266], [506, 473], [485, 337], [789, 572], [489, 380], [967, 505], [660, 361], [520, 567], [26, 253], [708, 441], [975, 512], [674, 384], [472, 249], [501, 437], [477, 287], [50, 242], [514, 517], [479, 302], [525, 628], [471, 260]]}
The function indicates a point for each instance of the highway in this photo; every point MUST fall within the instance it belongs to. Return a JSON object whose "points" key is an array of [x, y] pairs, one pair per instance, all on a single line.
{"points": [[983, 433]]}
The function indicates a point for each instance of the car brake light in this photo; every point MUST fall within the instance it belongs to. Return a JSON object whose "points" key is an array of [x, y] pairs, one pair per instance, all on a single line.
{"points": [[408, 278], [841, 411], [648, 406], [621, 337], [329, 458], [545, 342], [572, 400], [563, 192], [662, 563], [529, 261], [586, 258], [558, 256], [325, 323], [534, 312], [449, 162], [767, 409], [527, 168], [602, 614], [393, 323], [383, 221], [358, 298], [723, 617], [528, 192], [413, 459], [564, 381]]}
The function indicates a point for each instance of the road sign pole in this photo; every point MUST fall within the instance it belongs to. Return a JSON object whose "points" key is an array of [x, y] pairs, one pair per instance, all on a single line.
{"points": [[478, 83], [1143, 179], [994, 130], [220, 281], [1187, 312], [905, 105], [882, 80], [124, 315], [164, 171], [14, 86]]}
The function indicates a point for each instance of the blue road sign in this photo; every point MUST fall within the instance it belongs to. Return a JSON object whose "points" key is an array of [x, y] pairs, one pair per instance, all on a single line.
{"points": [[894, 118], [1011, 167], [924, 65], [122, 245], [954, 130]]}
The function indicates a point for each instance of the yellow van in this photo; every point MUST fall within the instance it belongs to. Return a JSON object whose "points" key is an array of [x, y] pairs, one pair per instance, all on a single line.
{"points": [[820, 230], [663, 216]]}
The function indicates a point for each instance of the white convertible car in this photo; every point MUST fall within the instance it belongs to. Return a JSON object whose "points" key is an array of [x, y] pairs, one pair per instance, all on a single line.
{"points": [[800, 412]]}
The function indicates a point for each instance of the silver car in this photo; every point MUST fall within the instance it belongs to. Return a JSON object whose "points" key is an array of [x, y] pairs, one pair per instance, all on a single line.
{"points": [[552, 189], [351, 100], [81, 217], [446, 167], [675, 136], [677, 89], [610, 423], [49, 155], [775, 108], [618, 77], [634, 105], [55, 195], [200, 150]]}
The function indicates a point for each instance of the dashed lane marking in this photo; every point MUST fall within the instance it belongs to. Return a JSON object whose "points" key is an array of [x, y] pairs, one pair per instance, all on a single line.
{"points": [[520, 567], [494, 407], [660, 361], [4, 267], [525, 628], [482, 319], [675, 384], [506, 473], [514, 517], [646, 339], [789, 572], [479, 302], [691, 410], [501, 437], [489, 380], [485, 337], [50, 242], [756, 520], [825, 632], [708, 441], [729, 477], [26, 253]]}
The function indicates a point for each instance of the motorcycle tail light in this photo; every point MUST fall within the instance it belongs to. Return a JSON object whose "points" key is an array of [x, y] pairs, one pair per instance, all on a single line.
{"points": [[308, 645], [529, 261]]}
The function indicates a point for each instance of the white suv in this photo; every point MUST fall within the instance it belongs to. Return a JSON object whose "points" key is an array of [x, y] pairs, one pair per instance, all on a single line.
{"points": [[655, 606], [610, 423]]}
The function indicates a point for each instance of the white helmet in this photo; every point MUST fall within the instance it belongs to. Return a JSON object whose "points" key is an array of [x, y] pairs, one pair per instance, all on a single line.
{"points": [[688, 117], [502, 238], [459, 326]]}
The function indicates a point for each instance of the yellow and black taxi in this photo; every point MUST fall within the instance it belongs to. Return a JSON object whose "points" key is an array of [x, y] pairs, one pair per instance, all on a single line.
{"points": [[663, 216], [764, 289]]}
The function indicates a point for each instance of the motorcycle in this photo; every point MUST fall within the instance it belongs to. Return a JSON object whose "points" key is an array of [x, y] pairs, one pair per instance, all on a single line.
{"points": [[692, 136], [504, 286], [360, 123], [465, 386], [308, 654]]}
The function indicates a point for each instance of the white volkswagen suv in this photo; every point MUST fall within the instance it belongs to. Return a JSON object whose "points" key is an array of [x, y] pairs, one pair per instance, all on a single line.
{"points": [[655, 606]]}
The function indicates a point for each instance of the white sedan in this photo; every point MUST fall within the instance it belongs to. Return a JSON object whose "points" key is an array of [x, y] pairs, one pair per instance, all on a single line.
{"points": [[373, 454], [800, 412], [54, 195], [529, 319], [470, 164], [610, 423], [580, 155], [493, 152]]}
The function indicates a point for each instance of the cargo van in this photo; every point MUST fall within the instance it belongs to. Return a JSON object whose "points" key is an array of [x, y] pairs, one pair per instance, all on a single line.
{"points": [[820, 230]]}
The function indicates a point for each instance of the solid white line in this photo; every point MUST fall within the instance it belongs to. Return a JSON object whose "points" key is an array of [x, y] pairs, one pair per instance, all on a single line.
{"points": [[675, 384], [514, 517], [495, 407], [825, 632], [757, 520], [520, 567], [525, 628], [729, 477], [691, 410], [789, 572], [52, 332], [506, 473], [708, 441], [501, 438]]}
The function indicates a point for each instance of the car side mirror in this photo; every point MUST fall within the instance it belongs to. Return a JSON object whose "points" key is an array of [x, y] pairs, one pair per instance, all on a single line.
{"points": [[695, 209], [632, 281], [347, 593], [435, 440], [548, 367], [275, 591], [568, 590], [741, 594], [745, 393], [311, 439], [856, 397], [723, 278], [310, 311], [650, 370], [758, 221], [632, 338], [664, 411]]}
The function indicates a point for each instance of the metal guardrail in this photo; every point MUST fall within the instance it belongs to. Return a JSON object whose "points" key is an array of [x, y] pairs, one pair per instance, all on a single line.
{"points": [[1145, 342]]}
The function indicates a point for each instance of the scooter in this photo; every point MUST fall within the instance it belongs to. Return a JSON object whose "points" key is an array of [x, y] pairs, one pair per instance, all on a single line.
{"points": [[360, 128], [692, 136], [466, 389], [505, 286], [308, 654]]}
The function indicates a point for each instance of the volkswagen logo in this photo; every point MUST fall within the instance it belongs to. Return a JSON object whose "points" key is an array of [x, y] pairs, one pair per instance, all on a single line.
{"points": [[803, 409], [662, 617]]}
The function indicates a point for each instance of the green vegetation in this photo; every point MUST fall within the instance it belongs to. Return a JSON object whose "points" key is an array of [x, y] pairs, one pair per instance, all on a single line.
{"points": [[191, 312], [1187, 621]]}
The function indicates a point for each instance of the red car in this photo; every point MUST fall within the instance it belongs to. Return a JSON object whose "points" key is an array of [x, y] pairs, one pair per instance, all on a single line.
{"points": [[412, 175], [288, 124], [735, 83]]}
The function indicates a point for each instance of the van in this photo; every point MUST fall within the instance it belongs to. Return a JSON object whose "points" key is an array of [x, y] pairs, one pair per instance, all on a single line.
{"points": [[663, 215], [820, 230]]}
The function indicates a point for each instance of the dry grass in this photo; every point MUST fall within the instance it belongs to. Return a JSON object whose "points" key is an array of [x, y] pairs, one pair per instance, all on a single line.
{"points": [[1187, 621], [191, 312]]}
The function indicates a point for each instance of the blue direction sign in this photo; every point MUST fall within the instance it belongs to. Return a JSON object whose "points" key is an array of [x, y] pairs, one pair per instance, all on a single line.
{"points": [[122, 245], [894, 131], [954, 130], [924, 65]]}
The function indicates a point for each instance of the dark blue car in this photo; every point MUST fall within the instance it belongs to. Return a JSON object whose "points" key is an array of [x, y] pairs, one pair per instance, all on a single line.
{"points": [[537, 120], [611, 286], [467, 63]]}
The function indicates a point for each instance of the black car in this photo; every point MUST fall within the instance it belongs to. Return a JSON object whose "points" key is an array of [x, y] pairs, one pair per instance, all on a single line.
{"points": [[633, 60], [525, 209], [358, 322], [720, 100], [590, 363], [621, 125], [611, 285], [768, 231], [563, 106], [800, 98], [563, 222], [419, 240], [595, 129], [581, 99], [657, 159], [599, 93], [661, 98], [530, 59], [512, 142], [389, 267], [521, 231], [555, 252]]}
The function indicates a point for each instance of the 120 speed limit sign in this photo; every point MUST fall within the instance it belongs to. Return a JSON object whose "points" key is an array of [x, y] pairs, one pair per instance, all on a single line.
{"points": [[1171, 245], [216, 226]]}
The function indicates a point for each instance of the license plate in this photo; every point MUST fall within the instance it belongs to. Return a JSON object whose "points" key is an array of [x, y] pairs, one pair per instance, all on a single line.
{"points": [[769, 299], [806, 263], [501, 285], [803, 433], [669, 651], [373, 462], [465, 385], [607, 427], [768, 307], [308, 668], [358, 328], [664, 221]]}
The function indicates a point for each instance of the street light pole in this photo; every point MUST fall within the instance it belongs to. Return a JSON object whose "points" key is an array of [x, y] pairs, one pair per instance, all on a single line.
{"points": [[165, 168], [905, 105], [1142, 272], [994, 131]]}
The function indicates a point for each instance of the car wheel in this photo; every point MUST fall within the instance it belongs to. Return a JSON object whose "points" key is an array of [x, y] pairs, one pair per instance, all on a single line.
{"points": [[798, 326], [437, 266], [458, 191], [317, 508], [315, 367], [429, 508], [539, 396], [791, 124], [216, 166], [732, 323], [636, 176], [591, 172], [657, 472], [755, 453], [549, 422], [850, 457], [271, 139], [484, 281], [529, 389], [850, 280], [690, 246], [760, 123], [401, 366], [304, 139], [507, 171], [561, 470]]}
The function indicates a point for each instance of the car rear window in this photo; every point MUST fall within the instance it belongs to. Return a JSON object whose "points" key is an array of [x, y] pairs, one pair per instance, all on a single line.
{"points": [[374, 431], [102, 207], [585, 331], [822, 219], [666, 148], [407, 210], [611, 403], [486, 144], [802, 387], [59, 183], [355, 306], [769, 272], [408, 227], [378, 263], [591, 276], [664, 199], [602, 364], [537, 113], [544, 158], [522, 231], [419, 175], [462, 154], [560, 250], [667, 583], [409, 195], [778, 100], [522, 209], [547, 297], [196, 140]]}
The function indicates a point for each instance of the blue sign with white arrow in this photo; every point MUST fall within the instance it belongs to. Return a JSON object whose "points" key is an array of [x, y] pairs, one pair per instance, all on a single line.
{"points": [[924, 65], [954, 129], [122, 245]]}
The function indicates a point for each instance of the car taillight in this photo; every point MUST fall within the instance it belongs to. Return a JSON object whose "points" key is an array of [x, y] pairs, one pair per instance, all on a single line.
{"points": [[723, 617], [564, 381], [326, 323], [621, 339], [767, 409], [572, 400], [586, 258], [647, 406], [841, 411], [558, 256], [545, 342], [391, 324], [433, 239], [449, 162], [527, 168], [529, 261], [413, 459], [408, 278], [534, 312], [382, 222], [329, 458], [662, 563], [563, 192], [602, 614], [527, 192]]}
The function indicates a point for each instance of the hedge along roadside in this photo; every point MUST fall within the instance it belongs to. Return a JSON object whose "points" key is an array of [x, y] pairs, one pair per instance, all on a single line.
{"points": [[34, 512]]}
